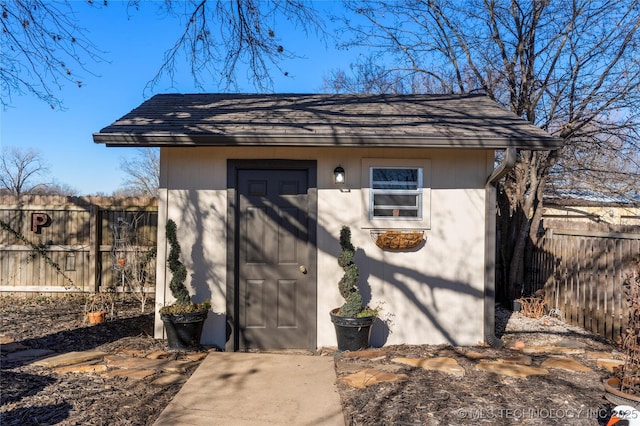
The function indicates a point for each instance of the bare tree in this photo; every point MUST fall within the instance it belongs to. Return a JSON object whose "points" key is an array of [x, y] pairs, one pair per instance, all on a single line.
{"points": [[54, 188], [143, 172], [20, 169], [44, 47], [370, 75], [571, 68]]}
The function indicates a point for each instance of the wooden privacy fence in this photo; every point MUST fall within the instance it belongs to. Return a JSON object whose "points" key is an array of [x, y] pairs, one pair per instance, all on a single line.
{"points": [[53, 244], [582, 271]]}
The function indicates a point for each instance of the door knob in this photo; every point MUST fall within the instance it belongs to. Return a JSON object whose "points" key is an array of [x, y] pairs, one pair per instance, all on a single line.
{"points": [[303, 269]]}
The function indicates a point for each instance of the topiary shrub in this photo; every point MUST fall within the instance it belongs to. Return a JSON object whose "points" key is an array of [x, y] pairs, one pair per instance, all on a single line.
{"points": [[348, 284], [183, 302]]}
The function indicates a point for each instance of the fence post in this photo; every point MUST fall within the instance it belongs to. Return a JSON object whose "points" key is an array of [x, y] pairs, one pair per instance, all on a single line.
{"points": [[94, 248]]}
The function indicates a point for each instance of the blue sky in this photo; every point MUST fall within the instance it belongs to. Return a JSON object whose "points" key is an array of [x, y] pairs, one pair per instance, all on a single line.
{"points": [[134, 44]]}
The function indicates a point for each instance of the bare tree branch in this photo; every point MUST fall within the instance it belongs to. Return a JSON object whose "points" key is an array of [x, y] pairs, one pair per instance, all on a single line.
{"points": [[219, 36], [43, 49]]}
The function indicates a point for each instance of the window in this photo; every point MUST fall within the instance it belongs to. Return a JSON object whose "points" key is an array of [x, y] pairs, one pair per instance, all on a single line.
{"points": [[396, 193]]}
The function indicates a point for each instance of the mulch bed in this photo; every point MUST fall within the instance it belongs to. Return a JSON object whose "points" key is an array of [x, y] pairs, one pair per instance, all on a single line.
{"points": [[33, 395], [478, 398]]}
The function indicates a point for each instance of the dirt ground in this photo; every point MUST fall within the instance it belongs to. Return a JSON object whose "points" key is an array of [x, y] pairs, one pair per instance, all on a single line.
{"points": [[32, 395]]}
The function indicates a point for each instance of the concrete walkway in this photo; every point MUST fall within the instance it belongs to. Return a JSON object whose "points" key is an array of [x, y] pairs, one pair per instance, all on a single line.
{"points": [[258, 389]]}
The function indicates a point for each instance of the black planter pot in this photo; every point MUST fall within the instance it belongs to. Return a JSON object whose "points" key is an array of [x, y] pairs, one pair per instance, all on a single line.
{"points": [[184, 330], [352, 333]]}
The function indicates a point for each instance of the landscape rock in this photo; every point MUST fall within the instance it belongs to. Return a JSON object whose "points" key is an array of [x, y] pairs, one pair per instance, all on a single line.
{"points": [[132, 374], [603, 355], [5, 339], [130, 352], [196, 356], [609, 364], [70, 358], [512, 370], [365, 354], [442, 364], [81, 369], [117, 361], [371, 377], [159, 355], [518, 359], [565, 363], [475, 355]]}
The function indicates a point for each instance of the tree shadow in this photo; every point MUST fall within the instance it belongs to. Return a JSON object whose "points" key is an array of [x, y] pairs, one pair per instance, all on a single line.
{"points": [[45, 415], [85, 338], [15, 387]]}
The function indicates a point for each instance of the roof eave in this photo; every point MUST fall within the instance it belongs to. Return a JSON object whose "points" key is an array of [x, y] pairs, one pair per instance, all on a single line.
{"points": [[165, 140]]}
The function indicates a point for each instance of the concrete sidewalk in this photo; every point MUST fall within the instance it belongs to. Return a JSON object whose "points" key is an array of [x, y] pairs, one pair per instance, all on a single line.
{"points": [[233, 388]]}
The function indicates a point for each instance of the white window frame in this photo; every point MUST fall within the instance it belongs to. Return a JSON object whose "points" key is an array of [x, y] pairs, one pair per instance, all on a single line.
{"points": [[381, 191], [388, 222]]}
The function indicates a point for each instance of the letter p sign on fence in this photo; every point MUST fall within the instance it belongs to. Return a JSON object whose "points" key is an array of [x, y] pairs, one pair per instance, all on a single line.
{"points": [[39, 221]]}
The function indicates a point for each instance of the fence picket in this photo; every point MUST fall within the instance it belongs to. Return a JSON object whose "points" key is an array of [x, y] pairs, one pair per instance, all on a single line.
{"points": [[590, 323], [618, 290], [582, 285]]}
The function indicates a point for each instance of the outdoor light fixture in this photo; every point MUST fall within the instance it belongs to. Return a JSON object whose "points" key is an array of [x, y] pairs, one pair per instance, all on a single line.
{"points": [[338, 176]]}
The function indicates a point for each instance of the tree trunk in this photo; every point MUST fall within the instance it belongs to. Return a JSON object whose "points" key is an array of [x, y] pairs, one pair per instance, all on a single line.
{"points": [[520, 214]]}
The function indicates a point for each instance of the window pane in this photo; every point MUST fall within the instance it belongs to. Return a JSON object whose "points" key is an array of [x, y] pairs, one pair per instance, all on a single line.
{"points": [[378, 212], [383, 178], [395, 200]]}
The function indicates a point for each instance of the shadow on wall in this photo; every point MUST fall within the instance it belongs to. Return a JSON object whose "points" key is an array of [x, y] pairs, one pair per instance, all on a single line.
{"points": [[381, 328], [398, 277], [194, 215]]}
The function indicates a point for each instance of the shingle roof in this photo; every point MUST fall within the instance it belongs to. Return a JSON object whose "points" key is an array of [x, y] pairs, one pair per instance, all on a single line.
{"points": [[470, 121]]}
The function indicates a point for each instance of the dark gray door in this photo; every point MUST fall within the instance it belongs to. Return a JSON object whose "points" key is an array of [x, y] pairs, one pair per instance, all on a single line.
{"points": [[276, 294]]}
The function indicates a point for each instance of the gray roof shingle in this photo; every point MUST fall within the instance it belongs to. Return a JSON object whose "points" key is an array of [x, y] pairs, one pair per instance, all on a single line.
{"points": [[469, 121]]}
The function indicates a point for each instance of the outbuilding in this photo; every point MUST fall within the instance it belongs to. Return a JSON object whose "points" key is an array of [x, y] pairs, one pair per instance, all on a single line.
{"points": [[260, 186]]}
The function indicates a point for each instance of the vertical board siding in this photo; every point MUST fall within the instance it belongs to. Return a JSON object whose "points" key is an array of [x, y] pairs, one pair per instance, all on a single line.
{"points": [[583, 271], [79, 239]]}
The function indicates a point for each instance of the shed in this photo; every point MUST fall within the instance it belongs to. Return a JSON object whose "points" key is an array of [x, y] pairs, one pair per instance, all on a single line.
{"points": [[251, 182]]}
